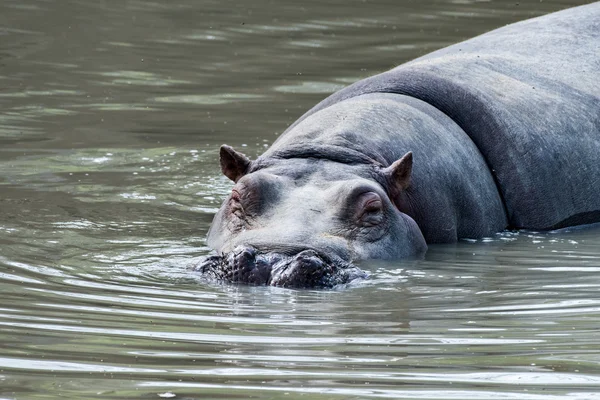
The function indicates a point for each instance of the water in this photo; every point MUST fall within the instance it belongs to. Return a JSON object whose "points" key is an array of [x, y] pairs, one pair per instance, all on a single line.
{"points": [[111, 115]]}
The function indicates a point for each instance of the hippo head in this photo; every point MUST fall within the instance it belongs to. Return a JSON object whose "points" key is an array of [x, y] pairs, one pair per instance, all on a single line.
{"points": [[303, 221]]}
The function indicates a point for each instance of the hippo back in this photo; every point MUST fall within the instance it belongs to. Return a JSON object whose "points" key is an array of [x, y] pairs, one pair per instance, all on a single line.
{"points": [[528, 95]]}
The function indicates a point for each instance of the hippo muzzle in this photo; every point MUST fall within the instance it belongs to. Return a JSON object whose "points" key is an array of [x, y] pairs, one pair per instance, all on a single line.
{"points": [[305, 269]]}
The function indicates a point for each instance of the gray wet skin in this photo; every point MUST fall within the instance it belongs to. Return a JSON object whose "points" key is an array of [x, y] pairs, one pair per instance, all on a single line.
{"points": [[343, 186], [499, 131]]}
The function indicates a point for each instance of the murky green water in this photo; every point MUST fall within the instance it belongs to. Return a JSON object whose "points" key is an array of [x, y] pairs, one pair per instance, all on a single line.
{"points": [[111, 114]]}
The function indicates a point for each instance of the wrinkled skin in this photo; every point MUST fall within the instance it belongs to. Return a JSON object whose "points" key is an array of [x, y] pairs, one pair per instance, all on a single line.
{"points": [[504, 130]]}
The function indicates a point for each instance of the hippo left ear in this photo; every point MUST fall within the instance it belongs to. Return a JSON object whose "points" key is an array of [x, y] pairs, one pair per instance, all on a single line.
{"points": [[233, 163], [398, 174]]}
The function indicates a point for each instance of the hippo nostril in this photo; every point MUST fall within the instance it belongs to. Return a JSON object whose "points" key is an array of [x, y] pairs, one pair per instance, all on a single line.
{"points": [[305, 269], [243, 253], [308, 259], [308, 254], [243, 264]]}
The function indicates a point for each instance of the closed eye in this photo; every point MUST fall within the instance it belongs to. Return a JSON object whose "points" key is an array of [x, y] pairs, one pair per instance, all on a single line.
{"points": [[370, 209], [235, 204]]}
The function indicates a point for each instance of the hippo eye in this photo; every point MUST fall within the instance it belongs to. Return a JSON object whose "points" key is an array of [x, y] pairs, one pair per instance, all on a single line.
{"points": [[235, 196], [235, 204], [370, 209]]}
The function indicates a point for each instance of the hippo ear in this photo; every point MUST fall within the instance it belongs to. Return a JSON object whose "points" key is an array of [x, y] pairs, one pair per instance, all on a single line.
{"points": [[399, 172], [233, 163]]}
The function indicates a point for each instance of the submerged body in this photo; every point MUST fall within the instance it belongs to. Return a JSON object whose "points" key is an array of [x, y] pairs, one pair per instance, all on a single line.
{"points": [[504, 131]]}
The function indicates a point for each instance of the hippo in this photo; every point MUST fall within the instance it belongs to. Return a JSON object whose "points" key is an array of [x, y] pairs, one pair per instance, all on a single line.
{"points": [[501, 131]]}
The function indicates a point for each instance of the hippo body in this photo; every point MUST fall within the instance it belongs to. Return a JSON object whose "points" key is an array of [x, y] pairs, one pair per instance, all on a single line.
{"points": [[504, 131]]}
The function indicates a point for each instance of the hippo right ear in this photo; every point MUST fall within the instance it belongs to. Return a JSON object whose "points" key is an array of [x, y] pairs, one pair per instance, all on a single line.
{"points": [[398, 174], [233, 163]]}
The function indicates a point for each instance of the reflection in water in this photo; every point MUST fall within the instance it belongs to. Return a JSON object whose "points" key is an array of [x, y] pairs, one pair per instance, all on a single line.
{"points": [[111, 119]]}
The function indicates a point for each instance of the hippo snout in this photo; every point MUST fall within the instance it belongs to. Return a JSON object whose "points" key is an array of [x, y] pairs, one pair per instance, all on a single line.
{"points": [[305, 269]]}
